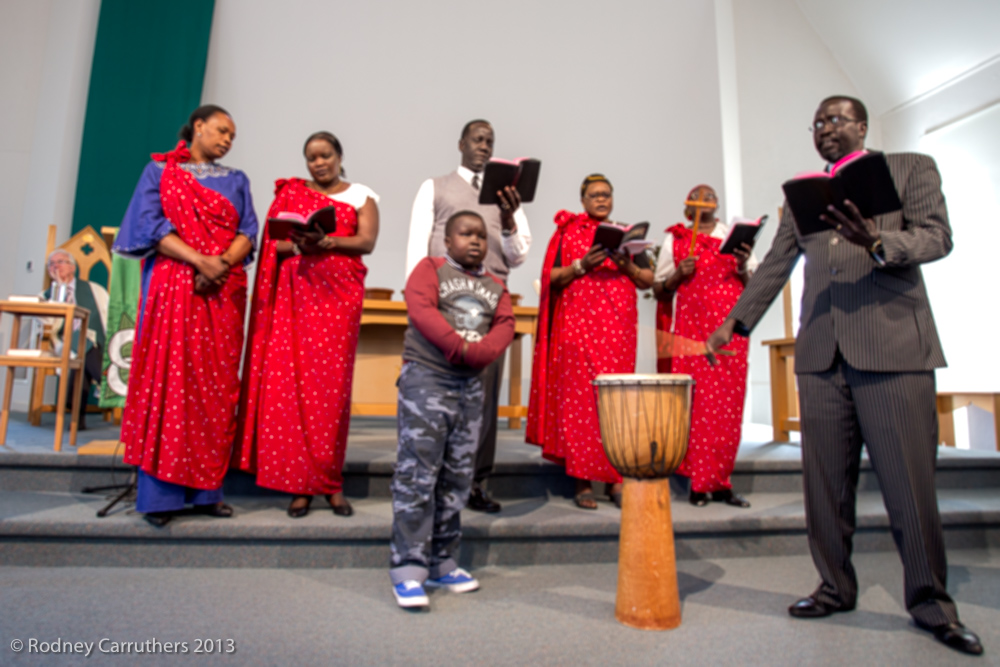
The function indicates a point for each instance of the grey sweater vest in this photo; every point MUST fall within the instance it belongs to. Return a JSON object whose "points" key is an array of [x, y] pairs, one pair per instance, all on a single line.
{"points": [[451, 195]]}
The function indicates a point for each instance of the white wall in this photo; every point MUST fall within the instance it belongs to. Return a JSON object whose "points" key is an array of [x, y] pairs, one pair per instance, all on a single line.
{"points": [[958, 123], [46, 47], [783, 71], [21, 25], [629, 89]]}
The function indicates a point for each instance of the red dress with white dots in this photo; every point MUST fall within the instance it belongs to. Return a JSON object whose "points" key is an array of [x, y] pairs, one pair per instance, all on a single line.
{"points": [[295, 409], [702, 304], [587, 328], [184, 382]]}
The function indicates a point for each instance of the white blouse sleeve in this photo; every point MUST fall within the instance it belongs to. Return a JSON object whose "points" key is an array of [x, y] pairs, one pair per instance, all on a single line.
{"points": [[665, 265]]}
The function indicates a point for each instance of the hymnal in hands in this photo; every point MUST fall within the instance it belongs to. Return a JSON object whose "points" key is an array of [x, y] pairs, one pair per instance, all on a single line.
{"points": [[631, 240], [742, 230], [521, 174], [863, 178], [280, 227]]}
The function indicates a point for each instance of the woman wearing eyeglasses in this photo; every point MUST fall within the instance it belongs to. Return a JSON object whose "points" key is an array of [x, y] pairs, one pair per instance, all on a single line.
{"points": [[696, 287], [587, 325]]}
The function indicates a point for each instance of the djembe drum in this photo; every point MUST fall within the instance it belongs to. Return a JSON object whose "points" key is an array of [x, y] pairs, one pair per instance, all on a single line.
{"points": [[645, 423]]}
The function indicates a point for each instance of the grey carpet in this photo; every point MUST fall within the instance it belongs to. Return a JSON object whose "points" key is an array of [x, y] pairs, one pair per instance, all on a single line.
{"points": [[733, 614]]}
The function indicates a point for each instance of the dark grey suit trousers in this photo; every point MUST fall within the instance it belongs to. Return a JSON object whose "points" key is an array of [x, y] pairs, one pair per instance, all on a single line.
{"points": [[895, 416], [492, 377]]}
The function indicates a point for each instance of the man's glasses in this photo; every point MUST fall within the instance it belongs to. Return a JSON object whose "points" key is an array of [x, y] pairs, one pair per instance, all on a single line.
{"points": [[833, 121]]}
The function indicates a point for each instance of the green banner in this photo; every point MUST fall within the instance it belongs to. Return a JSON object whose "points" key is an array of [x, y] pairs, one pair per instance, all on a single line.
{"points": [[123, 307], [146, 78]]}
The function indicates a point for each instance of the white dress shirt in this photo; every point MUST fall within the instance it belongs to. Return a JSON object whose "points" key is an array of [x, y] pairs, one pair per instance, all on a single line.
{"points": [[515, 247]]}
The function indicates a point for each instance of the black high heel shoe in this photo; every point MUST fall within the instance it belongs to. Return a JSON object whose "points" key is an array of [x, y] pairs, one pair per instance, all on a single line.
{"points": [[341, 509], [698, 499], [219, 510], [299, 511], [158, 519], [730, 498]]}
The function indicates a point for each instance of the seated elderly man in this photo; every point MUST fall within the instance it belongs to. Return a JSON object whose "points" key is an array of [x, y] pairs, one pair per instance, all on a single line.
{"points": [[67, 289]]}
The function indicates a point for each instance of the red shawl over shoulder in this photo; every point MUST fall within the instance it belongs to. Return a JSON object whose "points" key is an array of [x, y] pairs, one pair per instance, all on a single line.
{"points": [[184, 383], [587, 328], [304, 323]]}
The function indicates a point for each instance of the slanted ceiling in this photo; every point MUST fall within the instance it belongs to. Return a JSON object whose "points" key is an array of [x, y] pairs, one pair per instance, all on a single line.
{"points": [[897, 50]]}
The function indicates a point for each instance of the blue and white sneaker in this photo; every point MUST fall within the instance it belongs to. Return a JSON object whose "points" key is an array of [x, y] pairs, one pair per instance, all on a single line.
{"points": [[456, 581], [410, 593]]}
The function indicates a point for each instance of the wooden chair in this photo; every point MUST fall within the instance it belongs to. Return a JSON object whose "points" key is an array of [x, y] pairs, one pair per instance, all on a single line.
{"points": [[88, 248], [21, 358], [784, 392]]}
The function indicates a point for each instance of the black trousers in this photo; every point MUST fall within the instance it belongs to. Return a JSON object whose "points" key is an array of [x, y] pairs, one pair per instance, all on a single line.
{"points": [[492, 378], [895, 416], [92, 368]]}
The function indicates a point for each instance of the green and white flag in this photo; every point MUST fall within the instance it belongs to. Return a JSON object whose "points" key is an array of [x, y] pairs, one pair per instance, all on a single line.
{"points": [[126, 282]]}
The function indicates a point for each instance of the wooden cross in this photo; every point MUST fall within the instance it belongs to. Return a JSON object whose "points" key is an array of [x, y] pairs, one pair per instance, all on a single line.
{"points": [[699, 203]]}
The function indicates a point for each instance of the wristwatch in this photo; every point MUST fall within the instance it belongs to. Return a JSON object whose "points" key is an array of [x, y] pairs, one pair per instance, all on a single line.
{"points": [[578, 267], [877, 251]]}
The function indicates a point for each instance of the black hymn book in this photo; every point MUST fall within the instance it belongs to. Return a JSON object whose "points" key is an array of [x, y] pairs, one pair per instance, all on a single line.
{"points": [[742, 230], [618, 238], [864, 179], [521, 174], [281, 226]]}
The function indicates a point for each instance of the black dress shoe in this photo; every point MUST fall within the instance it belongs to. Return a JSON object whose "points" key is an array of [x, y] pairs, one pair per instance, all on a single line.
{"points": [[158, 519], [698, 499], [480, 502], [727, 496], [810, 607], [296, 510], [956, 636], [220, 510]]}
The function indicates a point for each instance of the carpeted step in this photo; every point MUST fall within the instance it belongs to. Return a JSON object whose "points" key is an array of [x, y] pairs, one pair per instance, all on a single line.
{"points": [[61, 529]]}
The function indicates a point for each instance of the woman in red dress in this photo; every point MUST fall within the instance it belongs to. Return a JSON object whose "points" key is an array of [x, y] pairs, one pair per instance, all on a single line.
{"points": [[191, 221], [588, 325], [707, 286], [295, 409]]}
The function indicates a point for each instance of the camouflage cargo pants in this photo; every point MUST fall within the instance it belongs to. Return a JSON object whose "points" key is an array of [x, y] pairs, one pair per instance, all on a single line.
{"points": [[440, 419]]}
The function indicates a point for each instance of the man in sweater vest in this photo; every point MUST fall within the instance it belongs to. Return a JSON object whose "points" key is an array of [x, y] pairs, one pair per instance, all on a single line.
{"points": [[508, 239]]}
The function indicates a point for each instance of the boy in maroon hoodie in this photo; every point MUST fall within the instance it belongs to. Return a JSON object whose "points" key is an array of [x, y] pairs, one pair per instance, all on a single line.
{"points": [[460, 321]]}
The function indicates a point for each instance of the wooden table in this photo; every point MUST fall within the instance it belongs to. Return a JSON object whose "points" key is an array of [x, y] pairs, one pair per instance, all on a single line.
{"points": [[69, 313], [379, 359]]}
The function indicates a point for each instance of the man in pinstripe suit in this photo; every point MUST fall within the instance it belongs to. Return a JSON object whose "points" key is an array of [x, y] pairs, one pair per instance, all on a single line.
{"points": [[865, 357]]}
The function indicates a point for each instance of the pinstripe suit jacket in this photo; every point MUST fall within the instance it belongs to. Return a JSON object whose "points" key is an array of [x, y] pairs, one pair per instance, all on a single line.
{"points": [[879, 317]]}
